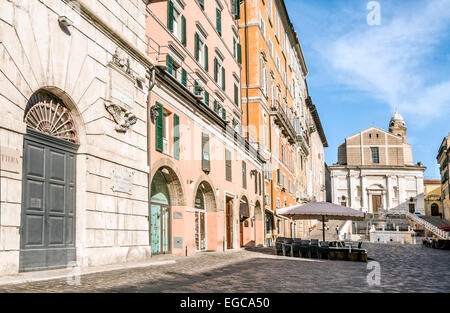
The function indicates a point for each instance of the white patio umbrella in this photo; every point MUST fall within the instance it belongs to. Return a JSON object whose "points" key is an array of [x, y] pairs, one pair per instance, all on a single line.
{"points": [[320, 210]]}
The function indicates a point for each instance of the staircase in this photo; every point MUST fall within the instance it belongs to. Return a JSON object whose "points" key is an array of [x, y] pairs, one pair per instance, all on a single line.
{"points": [[431, 223], [330, 234]]}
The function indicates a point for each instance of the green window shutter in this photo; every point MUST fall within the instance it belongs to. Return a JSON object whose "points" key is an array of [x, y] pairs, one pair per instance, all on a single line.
{"points": [[223, 78], [197, 47], [224, 114], [183, 30], [238, 9], [176, 137], [169, 61], [216, 106], [184, 77], [202, 3], [206, 98], [216, 70], [159, 128], [219, 21], [170, 16], [239, 53], [195, 87], [206, 58], [236, 95]]}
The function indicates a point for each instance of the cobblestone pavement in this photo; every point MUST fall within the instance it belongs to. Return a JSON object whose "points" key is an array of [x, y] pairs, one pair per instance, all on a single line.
{"points": [[404, 268]]}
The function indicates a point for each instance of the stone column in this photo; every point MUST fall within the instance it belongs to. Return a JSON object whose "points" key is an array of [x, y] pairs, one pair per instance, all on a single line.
{"points": [[333, 189], [401, 193], [383, 199], [389, 192], [350, 189], [364, 194]]}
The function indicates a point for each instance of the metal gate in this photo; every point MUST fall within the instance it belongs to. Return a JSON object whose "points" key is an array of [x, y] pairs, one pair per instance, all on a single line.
{"points": [[48, 203]]}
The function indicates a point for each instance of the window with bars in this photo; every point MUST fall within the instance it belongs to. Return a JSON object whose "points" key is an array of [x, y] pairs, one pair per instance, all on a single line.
{"points": [[375, 155]]}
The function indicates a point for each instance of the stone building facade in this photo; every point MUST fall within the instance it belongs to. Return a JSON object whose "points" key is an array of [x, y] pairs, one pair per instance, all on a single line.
{"points": [[433, 201], [74, 174], [375, 172], [443, 159]]}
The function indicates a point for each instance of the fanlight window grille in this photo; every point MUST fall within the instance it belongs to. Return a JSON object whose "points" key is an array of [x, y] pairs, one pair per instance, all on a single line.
{"points": [[48, 114]]}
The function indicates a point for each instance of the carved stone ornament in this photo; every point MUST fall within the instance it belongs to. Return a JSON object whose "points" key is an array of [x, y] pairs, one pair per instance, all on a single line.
{"points": [[122, 117], [122, 60]]}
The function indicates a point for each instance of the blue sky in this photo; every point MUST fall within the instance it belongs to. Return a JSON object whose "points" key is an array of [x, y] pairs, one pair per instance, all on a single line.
{"points": [[359, 74]]}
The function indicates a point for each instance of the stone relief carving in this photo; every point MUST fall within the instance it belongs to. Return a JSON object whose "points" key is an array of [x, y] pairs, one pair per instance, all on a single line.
{"points": [[121, 91], [122, 117], [122, 60]]}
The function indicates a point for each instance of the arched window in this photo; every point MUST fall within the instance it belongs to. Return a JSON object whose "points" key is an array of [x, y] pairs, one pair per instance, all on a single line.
{"points": [[47, 114]]}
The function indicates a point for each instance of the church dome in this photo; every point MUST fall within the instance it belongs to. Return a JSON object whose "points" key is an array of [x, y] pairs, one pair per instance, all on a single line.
{"points": [[397, 119]]}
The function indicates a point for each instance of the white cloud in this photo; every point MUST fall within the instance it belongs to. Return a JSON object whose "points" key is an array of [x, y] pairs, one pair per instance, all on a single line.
{"points": [[388, 61]]}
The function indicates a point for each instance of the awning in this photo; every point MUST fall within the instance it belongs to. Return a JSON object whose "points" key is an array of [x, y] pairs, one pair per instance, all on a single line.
{"points": [[317, 210], [320, 211]]}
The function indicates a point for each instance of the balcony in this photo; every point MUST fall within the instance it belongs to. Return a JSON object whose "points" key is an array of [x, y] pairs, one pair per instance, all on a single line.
{"points": [[303, 143], [282, 120]]}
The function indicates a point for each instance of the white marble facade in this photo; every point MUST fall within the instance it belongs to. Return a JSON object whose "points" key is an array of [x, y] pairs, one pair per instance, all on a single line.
{"points": [[375, 171], [86, 53], [399, 189]]}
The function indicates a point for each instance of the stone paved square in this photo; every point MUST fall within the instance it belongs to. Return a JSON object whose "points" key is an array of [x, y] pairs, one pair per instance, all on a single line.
{"points": [[404, 268]]}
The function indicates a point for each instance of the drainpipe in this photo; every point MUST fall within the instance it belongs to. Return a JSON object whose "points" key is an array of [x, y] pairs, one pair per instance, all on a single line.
{"points": [[151, 77], [246, 68]]}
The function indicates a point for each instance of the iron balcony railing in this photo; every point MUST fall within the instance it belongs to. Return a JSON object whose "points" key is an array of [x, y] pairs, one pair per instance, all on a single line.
{"points": [[283, 121]]}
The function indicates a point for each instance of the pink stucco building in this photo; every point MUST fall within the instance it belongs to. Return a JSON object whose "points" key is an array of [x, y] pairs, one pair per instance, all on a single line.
{"points": [[206, 179]]}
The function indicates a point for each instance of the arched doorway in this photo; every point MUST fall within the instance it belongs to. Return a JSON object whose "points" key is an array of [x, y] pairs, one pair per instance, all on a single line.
{"points": [[269, 226], [244, 214], [159, 214], [434, 209], [48, 185], [258, 225], [205, 210], [200, 220]]}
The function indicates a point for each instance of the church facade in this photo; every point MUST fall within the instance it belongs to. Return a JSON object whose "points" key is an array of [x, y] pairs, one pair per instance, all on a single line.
{"points": [[376, 173]]}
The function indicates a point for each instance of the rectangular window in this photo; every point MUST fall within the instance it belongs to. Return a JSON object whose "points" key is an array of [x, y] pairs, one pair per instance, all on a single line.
{"points": [[263, 27], [219, 73], [228, 165], [375, 155], [244, 175], [206, 166], [219, 21], [236, 95]]}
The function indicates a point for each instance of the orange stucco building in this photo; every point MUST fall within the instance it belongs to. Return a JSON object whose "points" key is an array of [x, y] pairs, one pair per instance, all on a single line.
{"points": [[278, 114]]}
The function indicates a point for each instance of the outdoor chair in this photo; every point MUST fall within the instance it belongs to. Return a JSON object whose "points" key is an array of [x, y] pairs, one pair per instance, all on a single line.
{"points": [[287, 246], [304, 249], [324, 250], [314, 249], [279, 245], [295, 252]]}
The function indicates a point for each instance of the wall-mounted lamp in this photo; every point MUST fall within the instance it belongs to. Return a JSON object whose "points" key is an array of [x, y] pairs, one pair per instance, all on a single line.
{"points": [[64, 20], [154, 111]]}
